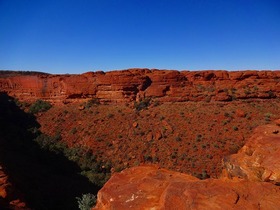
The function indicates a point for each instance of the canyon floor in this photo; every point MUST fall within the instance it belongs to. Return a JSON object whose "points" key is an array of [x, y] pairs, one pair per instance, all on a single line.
{"points": [[189, 137], [95, 125]]}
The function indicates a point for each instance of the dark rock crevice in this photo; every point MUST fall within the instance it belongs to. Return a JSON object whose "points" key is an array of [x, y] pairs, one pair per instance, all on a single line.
{"points": [[147, 83]]}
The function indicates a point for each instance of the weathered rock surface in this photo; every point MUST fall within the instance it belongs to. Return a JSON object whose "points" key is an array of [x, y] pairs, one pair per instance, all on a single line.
{"points": [[259, 158], [147, 187], [250, 181], [135, 84]]}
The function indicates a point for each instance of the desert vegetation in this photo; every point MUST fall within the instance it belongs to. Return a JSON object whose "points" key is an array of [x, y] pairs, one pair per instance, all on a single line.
{"points": [[41, 172], [187, 137], [39, 106], [87, 201]]}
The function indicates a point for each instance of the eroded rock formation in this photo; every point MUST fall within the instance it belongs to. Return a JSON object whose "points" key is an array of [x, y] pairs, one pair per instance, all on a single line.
{"points": [[135, 84], [259, 158], [250, 181]]}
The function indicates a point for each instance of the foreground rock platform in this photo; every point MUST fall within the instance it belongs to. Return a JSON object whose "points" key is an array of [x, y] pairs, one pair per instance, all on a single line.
{"points": [[148, 187], [250, 180]]}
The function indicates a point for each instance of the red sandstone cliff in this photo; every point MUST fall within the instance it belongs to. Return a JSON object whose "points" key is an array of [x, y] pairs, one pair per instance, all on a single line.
{"points": [[134, 84], [250, 181]]}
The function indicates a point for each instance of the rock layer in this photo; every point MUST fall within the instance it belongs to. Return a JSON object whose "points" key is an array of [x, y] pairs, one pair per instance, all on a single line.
{"points": [[135, 84], [250, 181]]}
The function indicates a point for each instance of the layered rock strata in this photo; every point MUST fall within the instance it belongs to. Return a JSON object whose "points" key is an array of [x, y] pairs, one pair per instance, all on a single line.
{"points": [[135, 84]]}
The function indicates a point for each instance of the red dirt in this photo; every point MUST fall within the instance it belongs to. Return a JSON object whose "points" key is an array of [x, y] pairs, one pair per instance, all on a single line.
{"points": [[189, 137]]}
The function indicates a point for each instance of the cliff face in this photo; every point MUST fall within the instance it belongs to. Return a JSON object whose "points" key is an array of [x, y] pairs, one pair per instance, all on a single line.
{"points": [[250, 181], [135, 84]]}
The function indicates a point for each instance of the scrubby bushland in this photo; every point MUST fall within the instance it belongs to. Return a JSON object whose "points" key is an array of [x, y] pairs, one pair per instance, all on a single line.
{"points": [[97, 172], [39, 106], [45, 177], [92, 102]]}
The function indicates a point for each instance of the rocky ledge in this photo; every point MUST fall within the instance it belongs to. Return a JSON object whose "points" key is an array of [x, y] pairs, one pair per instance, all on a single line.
{"points": [[250, 180], [135, 84]]}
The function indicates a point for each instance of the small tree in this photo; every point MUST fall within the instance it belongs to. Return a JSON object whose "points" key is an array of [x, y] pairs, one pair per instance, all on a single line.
{"points": [[87, 201]]}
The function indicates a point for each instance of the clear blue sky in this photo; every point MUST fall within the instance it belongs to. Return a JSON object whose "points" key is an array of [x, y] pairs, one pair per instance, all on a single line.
{"points": [[75, 36]]}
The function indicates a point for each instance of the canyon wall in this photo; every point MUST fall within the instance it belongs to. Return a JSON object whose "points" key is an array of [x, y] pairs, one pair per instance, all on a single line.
{"points": [[135, 84]]}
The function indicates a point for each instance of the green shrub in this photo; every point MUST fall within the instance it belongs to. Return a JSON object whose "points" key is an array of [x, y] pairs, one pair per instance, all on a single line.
{"points": [[90, 167], [226, 114], [142, 104], [21, 104], [51, 143], [178, 138], [267, 117], [73, 130], [271, 94], [39, 106], [156, 103], [198, 138], [97, 178], [110, 115], [92, 102], [86, 202]]}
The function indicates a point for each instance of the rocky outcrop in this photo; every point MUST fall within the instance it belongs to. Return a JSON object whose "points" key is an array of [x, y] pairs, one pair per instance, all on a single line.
{"points": [[136, 84], [147, 187], [259, 158], [9, 198], [250, 180]]}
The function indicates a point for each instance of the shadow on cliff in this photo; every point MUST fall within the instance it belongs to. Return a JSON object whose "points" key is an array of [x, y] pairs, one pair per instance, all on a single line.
{"points": [[46, 180]]}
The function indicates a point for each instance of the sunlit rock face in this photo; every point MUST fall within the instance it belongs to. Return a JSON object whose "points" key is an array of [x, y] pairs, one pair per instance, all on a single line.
{"points": [[135, 84], [259, 158], [147, 187]]}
